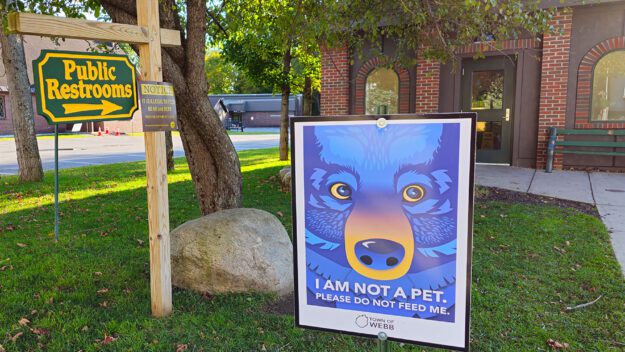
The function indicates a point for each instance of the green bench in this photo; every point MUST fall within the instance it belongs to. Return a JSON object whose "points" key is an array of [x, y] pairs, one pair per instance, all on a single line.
{"points": [[554, 142]]}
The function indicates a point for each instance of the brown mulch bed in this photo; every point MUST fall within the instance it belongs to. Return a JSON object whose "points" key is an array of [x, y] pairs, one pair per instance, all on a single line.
{"points": [[502, 195]]}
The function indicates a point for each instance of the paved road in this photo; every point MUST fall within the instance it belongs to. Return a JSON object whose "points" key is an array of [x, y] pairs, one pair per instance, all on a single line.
{"points": [[76, 152]]}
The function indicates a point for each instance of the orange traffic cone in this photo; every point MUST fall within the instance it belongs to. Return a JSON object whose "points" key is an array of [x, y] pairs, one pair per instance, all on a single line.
{"points": [[117, 132], [106, 131], [99, 131]]}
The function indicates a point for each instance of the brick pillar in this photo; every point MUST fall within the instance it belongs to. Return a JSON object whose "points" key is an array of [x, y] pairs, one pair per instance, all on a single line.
{"points": [[427, 87], [553, 84], [335, 81]]}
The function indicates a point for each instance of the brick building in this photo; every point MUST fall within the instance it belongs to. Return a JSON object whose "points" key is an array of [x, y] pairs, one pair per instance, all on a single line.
{"points": [[574, 79], [32, 48]]}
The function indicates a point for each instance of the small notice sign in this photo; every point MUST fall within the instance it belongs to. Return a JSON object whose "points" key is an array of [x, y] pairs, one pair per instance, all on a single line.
{"points": [[158, 106]]}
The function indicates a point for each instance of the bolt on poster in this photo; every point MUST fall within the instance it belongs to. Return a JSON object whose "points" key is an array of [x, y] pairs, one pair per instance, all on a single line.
{"points": [[382, 225]]}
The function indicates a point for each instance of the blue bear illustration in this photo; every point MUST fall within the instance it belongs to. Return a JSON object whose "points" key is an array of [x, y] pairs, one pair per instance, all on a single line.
{"points": [[380, 208]]}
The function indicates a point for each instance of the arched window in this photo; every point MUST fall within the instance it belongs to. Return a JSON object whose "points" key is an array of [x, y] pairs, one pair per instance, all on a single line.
{"points": [[608, 88], [382, 92]]}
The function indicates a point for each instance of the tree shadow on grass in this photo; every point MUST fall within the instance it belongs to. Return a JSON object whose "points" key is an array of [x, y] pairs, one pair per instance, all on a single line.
{"points": [[96, 279]]}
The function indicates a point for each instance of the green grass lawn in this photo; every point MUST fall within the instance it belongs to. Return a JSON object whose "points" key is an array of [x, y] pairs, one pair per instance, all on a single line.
{"points": [[530, 263]]}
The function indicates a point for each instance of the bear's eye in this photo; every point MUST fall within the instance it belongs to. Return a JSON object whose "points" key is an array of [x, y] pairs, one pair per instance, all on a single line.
{"points": [[341, 191], [413, 193]]}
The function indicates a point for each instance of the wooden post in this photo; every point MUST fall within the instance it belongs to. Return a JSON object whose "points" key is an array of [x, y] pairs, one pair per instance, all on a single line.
{"points": [[149, 37], [156, 168]]}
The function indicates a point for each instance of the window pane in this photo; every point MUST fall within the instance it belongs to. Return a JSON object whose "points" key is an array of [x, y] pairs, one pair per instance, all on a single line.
{"points": [[489, 135], [487, 90], [608, 88], [382, 92]]}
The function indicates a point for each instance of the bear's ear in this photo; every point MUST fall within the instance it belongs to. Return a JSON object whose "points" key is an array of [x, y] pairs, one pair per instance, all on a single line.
{"points": [[341, 145], [414, 144]]}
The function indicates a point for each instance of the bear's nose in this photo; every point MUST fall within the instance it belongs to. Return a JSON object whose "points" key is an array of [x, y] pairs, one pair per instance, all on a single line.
{"points": [[379, 254]]}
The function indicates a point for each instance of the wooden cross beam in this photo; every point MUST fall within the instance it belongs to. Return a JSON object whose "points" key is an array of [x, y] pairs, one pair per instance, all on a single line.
{"points": [[149, 37], [35, 24]]}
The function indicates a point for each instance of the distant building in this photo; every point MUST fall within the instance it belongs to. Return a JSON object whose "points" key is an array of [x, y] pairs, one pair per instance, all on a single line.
{"points": [[252, 110]]}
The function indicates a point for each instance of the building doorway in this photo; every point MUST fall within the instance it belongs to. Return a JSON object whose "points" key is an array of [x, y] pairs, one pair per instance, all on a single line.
{"points": [[487, 88]]}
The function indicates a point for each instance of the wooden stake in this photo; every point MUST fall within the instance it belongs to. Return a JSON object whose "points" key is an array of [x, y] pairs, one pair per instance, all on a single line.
{"points": [[150, 62]]}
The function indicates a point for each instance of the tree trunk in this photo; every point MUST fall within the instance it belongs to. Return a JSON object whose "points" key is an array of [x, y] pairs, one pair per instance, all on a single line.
{"points": [[284, 111], [213, 161], [307, 98], [169, 147], [28, 159]]}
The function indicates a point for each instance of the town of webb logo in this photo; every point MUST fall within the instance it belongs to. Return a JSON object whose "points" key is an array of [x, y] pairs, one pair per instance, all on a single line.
{"points": [[362, 321]]}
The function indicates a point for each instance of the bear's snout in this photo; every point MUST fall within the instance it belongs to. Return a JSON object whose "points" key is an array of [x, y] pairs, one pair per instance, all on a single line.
{"points": [[379, 254]]}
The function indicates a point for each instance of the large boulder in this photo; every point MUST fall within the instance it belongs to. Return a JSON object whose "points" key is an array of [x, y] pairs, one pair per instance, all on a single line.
{"points": [[234, 250]]}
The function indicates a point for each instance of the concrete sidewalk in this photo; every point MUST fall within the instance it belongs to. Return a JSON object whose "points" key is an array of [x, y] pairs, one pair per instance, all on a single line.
{"points": [[605, 190]]}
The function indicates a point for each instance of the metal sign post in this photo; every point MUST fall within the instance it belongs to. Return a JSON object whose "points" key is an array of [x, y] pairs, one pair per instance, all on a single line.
{"points": [[56, 182], [383, 342]]}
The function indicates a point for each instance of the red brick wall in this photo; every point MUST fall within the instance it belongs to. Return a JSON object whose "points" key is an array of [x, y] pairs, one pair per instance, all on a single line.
{"points": [[553, 87], [335, 81], [361, 81], [427, 86], [584, 84], [500, 45]]}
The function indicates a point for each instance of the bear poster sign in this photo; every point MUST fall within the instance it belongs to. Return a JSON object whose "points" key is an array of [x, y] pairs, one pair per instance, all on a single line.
{"points": [[382, 225]]}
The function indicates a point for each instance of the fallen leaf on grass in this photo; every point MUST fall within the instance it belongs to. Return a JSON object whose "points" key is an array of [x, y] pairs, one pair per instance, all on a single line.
{"points": [[207, 296], [103, 290], [16, 336], [104, 304], [2, 349], [97, 273], [280, 214], [39, 331], [557, 345], [9, 227], [108, 339], [140, 242], [560, 250], [22, 245], [24, 322], [182, 347], [6, 267]]}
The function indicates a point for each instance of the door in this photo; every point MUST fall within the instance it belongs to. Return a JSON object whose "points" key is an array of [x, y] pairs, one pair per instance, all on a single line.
{"points": [[488, 89]]}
